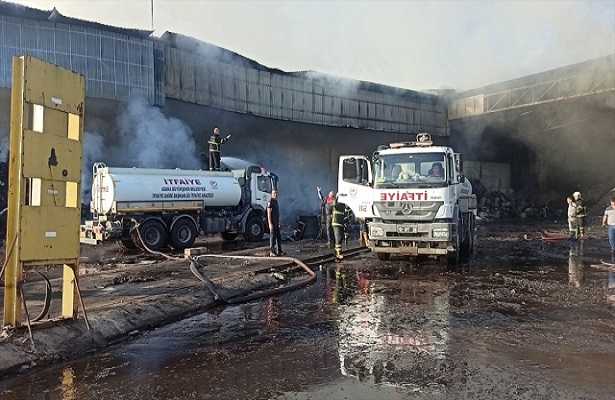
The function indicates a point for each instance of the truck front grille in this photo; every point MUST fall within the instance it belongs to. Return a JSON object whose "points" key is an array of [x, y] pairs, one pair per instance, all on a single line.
{"points": [[408, 210]]}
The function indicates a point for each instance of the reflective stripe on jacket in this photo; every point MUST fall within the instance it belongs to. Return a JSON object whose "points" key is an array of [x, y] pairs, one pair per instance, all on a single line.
{"points": [[214, 143], [339, 213]]}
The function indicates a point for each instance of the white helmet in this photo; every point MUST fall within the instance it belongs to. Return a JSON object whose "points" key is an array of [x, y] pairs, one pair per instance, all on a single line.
{"points": [[576, 195]]}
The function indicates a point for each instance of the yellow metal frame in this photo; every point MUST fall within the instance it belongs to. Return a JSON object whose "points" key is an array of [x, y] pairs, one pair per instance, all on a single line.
{"points": [[44, 199]]}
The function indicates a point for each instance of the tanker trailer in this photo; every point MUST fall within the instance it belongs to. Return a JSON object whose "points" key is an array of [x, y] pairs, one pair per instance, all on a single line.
{"points": [[156, 208]]}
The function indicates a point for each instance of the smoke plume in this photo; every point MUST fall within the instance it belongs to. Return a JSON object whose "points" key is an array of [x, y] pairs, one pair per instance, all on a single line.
{"points": [[144, 137]]}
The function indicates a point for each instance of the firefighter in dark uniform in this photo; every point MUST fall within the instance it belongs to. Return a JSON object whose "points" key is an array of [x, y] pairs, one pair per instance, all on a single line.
{"points": [[581, 213], [339, 220], [214, 149], [363, 236]]}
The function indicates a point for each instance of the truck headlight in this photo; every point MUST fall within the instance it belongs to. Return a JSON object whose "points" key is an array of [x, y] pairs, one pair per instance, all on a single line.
{"points": [[439, 233], [375, 231]]}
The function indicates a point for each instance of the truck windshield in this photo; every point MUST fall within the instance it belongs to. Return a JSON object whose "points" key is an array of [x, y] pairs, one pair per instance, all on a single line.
{"points": [[266, 183], [410, 170]]}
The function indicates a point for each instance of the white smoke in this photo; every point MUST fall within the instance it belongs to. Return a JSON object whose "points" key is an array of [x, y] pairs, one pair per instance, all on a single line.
{"points": [[146, 138], [150, 139], [93, 151]]}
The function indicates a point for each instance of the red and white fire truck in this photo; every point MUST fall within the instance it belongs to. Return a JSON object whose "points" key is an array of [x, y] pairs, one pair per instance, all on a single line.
{"points": [[414, 198]]}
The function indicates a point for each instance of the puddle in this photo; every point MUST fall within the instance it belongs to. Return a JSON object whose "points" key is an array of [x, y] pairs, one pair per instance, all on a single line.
{"points": [[368, 330]]}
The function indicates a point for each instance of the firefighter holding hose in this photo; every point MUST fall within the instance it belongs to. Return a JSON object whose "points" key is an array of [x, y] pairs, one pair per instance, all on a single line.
{"points": [[214, 149]]}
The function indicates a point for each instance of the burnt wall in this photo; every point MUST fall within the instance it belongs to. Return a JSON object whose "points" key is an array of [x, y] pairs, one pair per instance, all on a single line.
{"points": [[135, 133], [303, 155], [553, 150]]}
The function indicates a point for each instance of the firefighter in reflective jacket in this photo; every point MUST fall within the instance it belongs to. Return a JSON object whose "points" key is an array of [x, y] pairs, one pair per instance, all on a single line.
{"points": [[581, 213], [340, 216], [214, 149]]}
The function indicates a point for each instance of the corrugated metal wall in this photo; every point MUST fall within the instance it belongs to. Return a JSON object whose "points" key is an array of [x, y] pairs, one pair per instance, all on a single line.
{"points": [[493, 176], [115, 65], [197, 79]]}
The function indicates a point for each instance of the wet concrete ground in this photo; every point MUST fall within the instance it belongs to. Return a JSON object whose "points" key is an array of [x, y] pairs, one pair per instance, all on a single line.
{"points": [[519, 320]]}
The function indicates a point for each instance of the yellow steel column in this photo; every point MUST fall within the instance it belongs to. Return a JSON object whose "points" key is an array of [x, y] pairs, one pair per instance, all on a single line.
{"points": [[44, 203], [69, 292], [14, 268]]}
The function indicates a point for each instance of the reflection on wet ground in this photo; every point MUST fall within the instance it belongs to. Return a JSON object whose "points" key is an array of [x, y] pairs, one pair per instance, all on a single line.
{"points": [[400, 330]]}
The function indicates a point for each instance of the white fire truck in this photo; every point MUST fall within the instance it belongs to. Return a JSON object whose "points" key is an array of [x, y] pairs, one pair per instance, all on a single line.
{"points": [[410, 208], [170, 207]]}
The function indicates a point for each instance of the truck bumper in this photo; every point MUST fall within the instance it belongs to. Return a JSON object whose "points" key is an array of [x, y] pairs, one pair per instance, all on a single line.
{"points": [[412, 250], [412, 238]]}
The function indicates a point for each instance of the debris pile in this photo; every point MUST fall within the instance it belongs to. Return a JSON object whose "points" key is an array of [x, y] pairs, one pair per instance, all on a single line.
{"points": [[497, 205]]}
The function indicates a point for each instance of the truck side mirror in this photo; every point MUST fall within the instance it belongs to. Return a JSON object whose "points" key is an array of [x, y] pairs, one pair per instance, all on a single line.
{"points": [[458, 162]]}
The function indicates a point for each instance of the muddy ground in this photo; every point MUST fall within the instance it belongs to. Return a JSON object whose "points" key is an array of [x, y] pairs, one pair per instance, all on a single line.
{"points": [[511, 301]]}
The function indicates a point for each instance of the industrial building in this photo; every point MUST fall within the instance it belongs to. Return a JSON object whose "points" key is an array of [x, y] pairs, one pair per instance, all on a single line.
{"points": [[153, 102]]}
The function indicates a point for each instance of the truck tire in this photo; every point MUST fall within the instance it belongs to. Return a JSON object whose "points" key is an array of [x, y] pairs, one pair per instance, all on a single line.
{"points": [[153, 234], [383, 256], [228, 236], [183, 234], [255, 230], [467, 246], [452, 258]]}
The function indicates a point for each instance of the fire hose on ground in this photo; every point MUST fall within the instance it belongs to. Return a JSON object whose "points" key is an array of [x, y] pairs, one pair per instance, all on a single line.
{"points": [[194, 261], [272, 292]]}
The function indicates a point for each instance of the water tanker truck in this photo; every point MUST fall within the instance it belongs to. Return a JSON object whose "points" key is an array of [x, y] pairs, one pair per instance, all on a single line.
{"points": [[158, 208], [414, 198]]}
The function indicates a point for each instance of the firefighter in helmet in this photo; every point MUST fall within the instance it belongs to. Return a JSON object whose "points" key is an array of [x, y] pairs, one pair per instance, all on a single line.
{"points": [[338, 220], [214, 149], [581, 213]]}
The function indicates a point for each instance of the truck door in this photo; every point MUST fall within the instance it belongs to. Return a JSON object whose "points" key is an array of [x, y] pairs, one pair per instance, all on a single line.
{"points": [[354, 185], [262, 185]]}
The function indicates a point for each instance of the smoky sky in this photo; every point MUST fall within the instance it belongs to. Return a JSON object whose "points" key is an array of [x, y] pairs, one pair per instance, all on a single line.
{"points": [[409, 44]]}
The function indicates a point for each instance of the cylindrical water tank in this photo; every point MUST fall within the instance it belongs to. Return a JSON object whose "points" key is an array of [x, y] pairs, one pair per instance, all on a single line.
{"points": [[214, 188]]}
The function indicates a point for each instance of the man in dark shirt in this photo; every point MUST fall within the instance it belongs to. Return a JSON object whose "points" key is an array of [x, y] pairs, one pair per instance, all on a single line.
{"points": [[273, 218], [327, 213]]}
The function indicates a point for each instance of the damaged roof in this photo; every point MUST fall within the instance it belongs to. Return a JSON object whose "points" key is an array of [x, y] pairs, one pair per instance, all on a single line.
{"points": [[20, 11], [226, 56]]}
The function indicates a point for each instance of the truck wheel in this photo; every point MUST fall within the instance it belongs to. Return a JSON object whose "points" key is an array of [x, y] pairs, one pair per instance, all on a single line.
{"points": [[452, 259], [153, 234], [467, 247], [254, 230], [228, 236], [183, 234], [383, 256]]}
